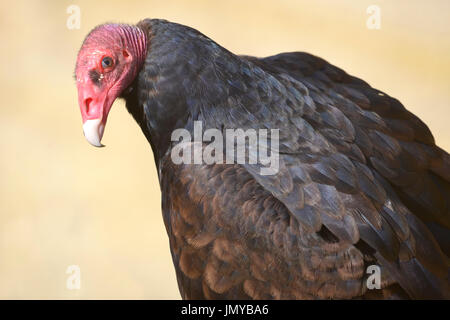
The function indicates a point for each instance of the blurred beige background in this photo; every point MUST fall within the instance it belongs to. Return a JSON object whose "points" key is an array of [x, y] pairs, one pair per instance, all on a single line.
{"points": [[63, 202]]}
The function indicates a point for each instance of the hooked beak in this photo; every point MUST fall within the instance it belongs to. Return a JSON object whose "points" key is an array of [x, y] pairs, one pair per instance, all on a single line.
{"points": [[93, 131], [94, 107]]}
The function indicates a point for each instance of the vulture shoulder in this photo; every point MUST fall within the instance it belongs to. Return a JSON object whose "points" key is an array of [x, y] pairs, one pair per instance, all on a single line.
{"points": [[360, 182]]}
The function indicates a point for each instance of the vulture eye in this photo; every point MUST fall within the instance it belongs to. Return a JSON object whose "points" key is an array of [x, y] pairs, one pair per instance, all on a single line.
{"points": [[107, 62]]}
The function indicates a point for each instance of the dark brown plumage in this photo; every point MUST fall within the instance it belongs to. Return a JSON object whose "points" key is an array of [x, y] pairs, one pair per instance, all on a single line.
{"points": [[361, 181]]}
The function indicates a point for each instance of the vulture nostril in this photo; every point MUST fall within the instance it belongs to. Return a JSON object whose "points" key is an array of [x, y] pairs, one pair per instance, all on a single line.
{"points": [[87, 102]]}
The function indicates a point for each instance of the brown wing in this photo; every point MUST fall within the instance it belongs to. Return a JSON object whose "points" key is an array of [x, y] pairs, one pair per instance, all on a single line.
{"points": [[231, 238], [395, 143], [394, 155], [360, 183]]}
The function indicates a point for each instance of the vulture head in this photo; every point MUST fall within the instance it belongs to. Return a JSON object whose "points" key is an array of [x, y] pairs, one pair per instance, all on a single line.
{"points": [[108, 61]]}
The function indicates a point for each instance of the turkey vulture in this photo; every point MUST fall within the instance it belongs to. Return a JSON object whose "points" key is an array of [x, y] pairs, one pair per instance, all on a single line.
{"points": [[360, 182]]}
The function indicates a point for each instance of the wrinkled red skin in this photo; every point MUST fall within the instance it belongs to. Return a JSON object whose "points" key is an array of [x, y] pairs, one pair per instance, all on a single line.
{"points": [[127, 46]]}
